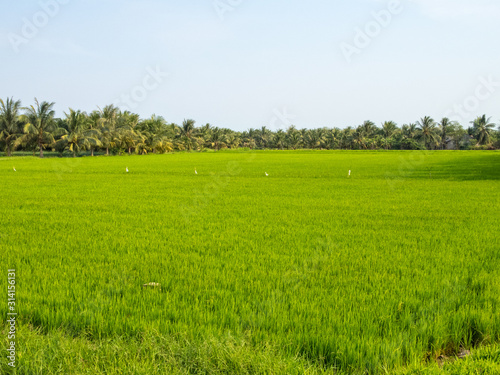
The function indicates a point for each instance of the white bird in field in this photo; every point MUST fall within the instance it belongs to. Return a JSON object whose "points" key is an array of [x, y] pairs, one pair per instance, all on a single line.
{"points": [[349, 175], [266, 173], [14, 168], [195, 172], [126, 169]]}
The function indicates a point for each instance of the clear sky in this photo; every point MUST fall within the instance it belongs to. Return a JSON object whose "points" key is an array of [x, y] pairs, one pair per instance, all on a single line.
{"points": [[248, 63]]}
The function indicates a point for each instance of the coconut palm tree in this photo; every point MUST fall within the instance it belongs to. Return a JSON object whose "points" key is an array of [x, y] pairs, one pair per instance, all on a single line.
{"points": [[93, 133], [109, 117], [409, 131], [457, 135], [9, 123], [445, 129], [293, 138], [279, 139], [388, 130], [233, 140], [127, 135], [346, 138], [162, 144], [155, 124], [264, 137], [217, 138], [40, 123], [204, 133], [173, 130], [187, 128], [333, 138], [427, 131], [128, 139], [359, 138], [312, 138], [483, 129], [75, 139], [368, 128], [187, 134], [154, 136]]}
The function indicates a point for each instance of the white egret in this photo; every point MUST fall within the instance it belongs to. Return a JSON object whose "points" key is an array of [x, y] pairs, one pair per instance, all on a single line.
{"points": [[266, 173], [126, 169], [14, 168], [195, 172], [349, 175]]}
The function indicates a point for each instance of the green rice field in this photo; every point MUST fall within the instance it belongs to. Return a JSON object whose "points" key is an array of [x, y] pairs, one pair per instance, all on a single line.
{"points": [[394, 269]]}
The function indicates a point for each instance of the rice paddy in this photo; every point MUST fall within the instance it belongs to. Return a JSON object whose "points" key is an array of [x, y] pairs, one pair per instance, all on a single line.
{"points": [[261, 262]]}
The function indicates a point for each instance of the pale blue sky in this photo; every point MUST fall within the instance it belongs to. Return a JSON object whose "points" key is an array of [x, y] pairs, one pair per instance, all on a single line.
{"points": [[260, 63]]}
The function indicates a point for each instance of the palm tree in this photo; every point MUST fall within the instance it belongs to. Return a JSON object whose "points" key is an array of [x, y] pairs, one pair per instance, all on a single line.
{"points": [[409, 131], [388, 130], [204, 133], [368, 128], [457, 135], [322, 135], [445, 128], [153, 133], [310, 139], [332, 138], [293, 138], [126, 135], [76, 139], [217, 138], [265, 137], [162, 144], [187, 133], [128, 139], [346, 138], [40, 122], [233, 140], [482, 129], [359, 137], [280, 139], [155, 124], [173, 130], [109, 117], [187, 128], [9, 123], [92, 133], [428, 132]]}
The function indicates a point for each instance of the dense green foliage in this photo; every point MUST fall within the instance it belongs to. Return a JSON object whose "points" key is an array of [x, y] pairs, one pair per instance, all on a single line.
{"points": [[112, 131], [301, 271], [56, 353]]}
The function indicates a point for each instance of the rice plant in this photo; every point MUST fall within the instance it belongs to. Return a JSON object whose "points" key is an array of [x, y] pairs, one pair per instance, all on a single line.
{"points": [[262, 262]]}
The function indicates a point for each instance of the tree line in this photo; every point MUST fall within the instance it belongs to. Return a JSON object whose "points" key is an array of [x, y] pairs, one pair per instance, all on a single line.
{"points": [[112, 131]]}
